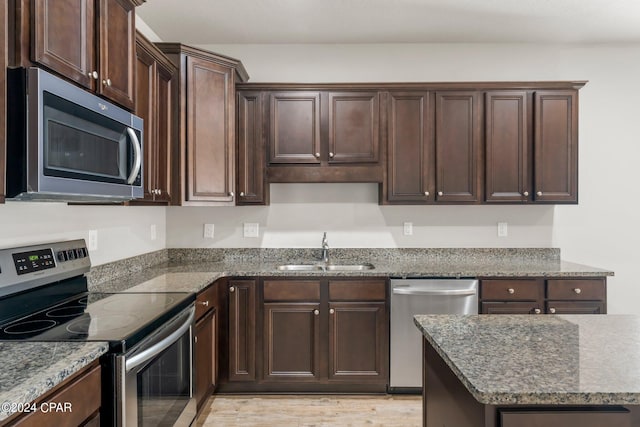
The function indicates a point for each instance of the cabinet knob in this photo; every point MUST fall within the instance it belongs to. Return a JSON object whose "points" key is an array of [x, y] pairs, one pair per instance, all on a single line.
{"points": [[511, 291], [195, 339], [525, 194], [426, 193], [231, 194], [331, 311], [537, 311], [577, 290], [316, 312], [539, 193], [106, 82], [242, 194], [331, 154], [440, 193], [204, 303], [154, 191], [317, 155], [552, 310], [232, 289], [93, 75]]}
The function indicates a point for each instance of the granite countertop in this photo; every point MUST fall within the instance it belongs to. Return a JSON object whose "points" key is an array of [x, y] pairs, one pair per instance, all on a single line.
{"points": [[30, 369], [547, 360]]}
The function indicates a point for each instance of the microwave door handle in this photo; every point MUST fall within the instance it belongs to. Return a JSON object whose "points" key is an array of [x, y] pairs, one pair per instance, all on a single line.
{"points": [[159, 347], [137, 158]]}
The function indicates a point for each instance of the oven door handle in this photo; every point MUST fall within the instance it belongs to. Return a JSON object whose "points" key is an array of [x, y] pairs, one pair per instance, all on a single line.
{"points": [[158, 347], [137, 156]]}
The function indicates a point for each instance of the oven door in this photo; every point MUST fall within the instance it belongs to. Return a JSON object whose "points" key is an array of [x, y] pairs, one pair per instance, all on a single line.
{"points": [[158, 378]]}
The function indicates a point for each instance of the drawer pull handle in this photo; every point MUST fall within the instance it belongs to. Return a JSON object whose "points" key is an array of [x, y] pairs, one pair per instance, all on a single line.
{"points": [[232, 289], [316, 312], [205, 303], [537, 311], [552, 310], [577, 290], [511, 291], [331, 311]]}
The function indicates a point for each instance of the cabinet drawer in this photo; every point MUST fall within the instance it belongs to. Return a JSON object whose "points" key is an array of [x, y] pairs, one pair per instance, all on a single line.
{"points": [[512, 307], [587, 417], [205, 300], [357, 290], [512, 290], [291, 290], [576, 289]]}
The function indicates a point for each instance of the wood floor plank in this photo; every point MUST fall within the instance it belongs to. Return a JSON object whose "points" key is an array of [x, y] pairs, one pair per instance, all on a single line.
{"points": [[311, 411]]}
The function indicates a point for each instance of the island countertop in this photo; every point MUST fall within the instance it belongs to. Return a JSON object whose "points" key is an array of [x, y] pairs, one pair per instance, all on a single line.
{"points": [[540, 360]]}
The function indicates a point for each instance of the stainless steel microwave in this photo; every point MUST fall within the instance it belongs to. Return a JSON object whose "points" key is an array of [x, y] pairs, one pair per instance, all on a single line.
{"points": [[66, 144]]}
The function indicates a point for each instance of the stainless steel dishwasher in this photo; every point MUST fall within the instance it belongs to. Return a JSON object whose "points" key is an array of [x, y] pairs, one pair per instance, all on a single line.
{"points": [[421, 296]]}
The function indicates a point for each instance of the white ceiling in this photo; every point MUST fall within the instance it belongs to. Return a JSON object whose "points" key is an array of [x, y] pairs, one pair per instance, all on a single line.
{"points": [[393, 21]]}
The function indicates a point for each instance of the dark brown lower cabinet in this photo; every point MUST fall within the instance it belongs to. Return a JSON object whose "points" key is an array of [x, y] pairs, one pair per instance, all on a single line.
{"points": [[357, 341], [579, 417], [510, 307], [291, 342], [242, 330], [576, 307], [205, 352]]}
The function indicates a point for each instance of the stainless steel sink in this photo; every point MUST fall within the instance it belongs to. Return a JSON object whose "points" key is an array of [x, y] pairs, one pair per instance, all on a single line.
{"points": [[325, 267]]}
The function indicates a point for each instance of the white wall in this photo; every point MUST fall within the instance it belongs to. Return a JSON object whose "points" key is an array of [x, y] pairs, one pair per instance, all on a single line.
{"points": [[601, 231], [123, 231]]}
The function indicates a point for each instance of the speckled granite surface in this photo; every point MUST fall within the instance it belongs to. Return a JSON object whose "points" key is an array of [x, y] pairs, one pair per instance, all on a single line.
{"points": [[31, 369], [207, 265], [548, 360]]}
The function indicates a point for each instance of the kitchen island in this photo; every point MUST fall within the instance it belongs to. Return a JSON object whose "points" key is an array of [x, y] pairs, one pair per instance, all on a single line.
{"points": [[519, 370]]}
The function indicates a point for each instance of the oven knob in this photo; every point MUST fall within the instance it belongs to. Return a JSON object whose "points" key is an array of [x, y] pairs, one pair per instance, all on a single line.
{"points": [[62, 256], [79, 253], [71, 254]]}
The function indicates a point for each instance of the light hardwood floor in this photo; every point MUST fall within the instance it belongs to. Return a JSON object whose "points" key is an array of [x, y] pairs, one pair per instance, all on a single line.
{"points": [[311, 411]]}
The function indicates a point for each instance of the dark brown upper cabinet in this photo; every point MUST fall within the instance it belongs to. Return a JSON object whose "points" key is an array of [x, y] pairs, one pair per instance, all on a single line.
{"points": [[3, 95], [458, 143], [91, 42], [507, 146], [204, 126], [294, 127], [410, 156], [154, 85], [556, 146], [251, 171], [354, 127]]}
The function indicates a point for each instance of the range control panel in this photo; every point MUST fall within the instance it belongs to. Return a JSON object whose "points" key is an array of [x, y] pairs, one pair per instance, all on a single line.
{"points": [[31, 266]]}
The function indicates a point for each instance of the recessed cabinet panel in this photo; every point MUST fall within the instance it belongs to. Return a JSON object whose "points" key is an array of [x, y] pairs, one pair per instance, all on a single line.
{"points": [[457, 146], [556, 146], [353, 127], [410, 148], [507, 147], [294, 127], [208, 128], [242, 329], [251, 179]]}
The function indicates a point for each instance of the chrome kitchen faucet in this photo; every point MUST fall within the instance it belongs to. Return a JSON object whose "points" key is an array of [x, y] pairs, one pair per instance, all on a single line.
{"points": [[325, 248]]}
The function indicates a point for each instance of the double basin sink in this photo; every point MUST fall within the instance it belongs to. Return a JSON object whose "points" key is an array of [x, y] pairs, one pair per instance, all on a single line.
{"points": [[325, 267]]}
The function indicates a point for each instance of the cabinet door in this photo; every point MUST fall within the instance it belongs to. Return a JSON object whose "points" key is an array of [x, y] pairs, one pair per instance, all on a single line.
{"points": [[242, 326], [358, 346], [410, 154], [251, 181], [354, 123], [3, 95], [458, 147], [209, 132], [117, 51], [164, 128], [507, 160], [64, 38], [556, 146], [511, 307], [576, 307], [145, 108], [204, 357], [291, 342], [294, 123]]}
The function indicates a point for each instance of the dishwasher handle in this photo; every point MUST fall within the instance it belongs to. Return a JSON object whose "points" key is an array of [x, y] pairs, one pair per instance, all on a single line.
{"points": [[435, 292]]}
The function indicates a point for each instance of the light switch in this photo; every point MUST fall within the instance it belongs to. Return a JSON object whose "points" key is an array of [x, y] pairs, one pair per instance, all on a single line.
{"points": [[503, 230], [408, 228]]}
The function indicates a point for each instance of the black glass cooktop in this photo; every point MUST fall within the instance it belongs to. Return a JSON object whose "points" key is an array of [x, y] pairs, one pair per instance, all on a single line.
{"points": [[122, 319]]}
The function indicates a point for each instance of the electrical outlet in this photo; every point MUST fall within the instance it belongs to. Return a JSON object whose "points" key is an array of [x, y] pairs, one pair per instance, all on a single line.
{"points": [[408, 228], [503, 229], [153, 232], [92, 244], [208, 231], [251, 229]]}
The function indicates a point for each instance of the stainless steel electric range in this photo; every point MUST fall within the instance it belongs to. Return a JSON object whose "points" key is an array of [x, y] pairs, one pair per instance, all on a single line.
{"points": [[148, 371]]}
